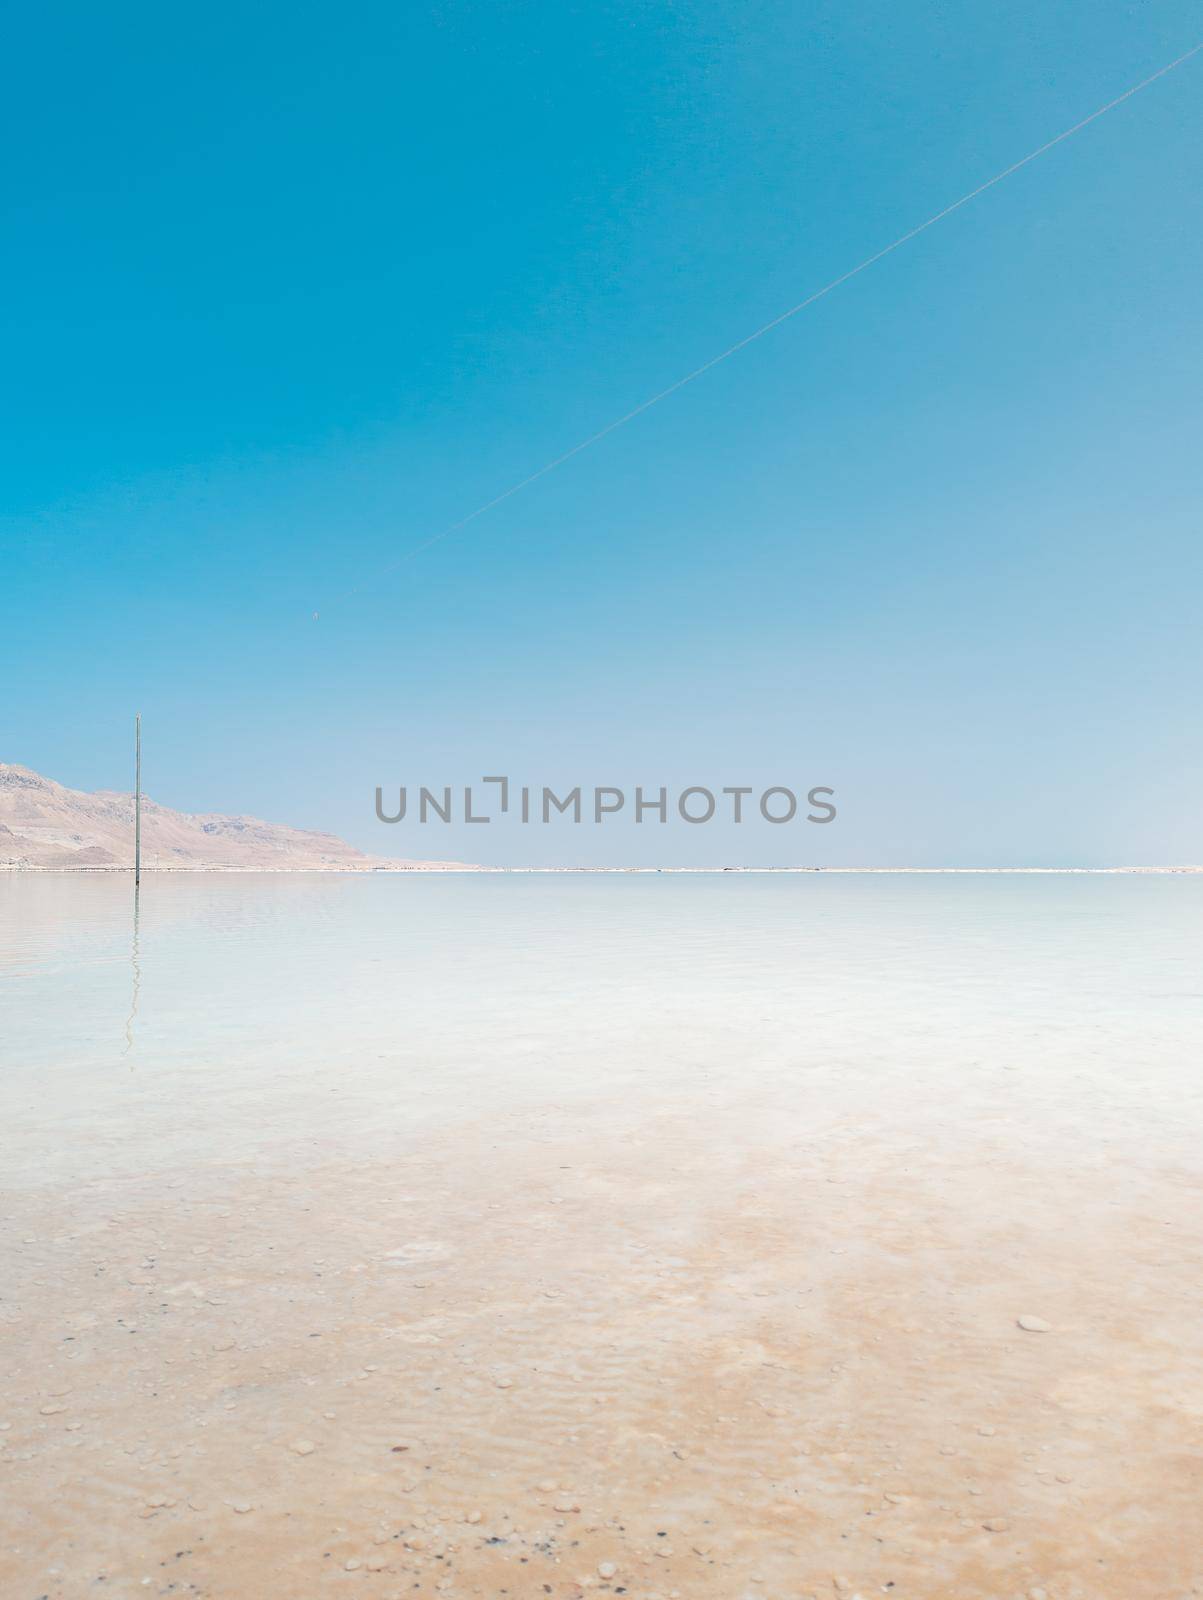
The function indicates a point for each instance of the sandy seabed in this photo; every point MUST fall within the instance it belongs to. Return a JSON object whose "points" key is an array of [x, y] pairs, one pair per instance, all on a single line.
{"points": [[751, 1332], [623, 1358]]}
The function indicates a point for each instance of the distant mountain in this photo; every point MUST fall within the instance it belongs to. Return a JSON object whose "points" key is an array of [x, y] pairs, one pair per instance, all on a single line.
{"points": [[43, 824]]}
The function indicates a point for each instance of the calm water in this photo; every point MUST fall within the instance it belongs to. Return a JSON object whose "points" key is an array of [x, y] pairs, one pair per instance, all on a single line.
{"points": [[489, 1235], [413, 997]]}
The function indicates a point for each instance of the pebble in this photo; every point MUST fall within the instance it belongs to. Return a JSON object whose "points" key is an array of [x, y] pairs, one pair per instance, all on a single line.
{"points": [[241, 1506], [302, 1447], [50, 1411], [1031, 1324], [352, 1565], [565, 1502], [1037, 1594], [472, 1516], [606, 1569]]}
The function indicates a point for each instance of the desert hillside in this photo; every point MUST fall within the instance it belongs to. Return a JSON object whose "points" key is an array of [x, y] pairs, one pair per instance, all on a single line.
{"points": [[43, 824]]}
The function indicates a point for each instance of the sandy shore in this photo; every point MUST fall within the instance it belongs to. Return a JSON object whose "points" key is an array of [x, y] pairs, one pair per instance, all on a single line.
{"points": [[541, 1357]]}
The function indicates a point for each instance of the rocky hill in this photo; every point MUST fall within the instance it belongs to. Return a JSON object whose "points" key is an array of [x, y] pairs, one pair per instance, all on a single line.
{"points": [[43, 824]]}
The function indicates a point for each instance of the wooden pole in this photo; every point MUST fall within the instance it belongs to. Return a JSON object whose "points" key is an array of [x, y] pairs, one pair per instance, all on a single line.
{"points": [[137, 799]]}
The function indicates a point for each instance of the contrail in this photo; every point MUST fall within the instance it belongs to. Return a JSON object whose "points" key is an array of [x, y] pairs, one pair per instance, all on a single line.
{"points": [[759, 333]]}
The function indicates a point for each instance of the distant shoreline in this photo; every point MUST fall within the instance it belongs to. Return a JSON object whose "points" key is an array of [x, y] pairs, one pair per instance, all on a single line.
{"points": [[46, 827], [441, 871]]}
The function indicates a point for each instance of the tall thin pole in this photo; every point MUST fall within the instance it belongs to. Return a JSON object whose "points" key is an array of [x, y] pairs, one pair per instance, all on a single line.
{"points": [[137, 799]]}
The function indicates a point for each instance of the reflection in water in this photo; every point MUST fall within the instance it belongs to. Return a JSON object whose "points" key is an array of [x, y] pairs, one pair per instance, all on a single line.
{"points": [[137, 975]]}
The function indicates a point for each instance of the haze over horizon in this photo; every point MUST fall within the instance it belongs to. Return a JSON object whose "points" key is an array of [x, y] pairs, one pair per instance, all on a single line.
{"points": [[276, 315]]}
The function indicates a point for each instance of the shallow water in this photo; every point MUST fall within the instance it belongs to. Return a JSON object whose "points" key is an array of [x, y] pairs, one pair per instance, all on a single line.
{"points": [[704, 1204]]}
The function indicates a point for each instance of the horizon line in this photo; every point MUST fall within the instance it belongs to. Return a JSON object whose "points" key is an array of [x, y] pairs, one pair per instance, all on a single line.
{"points": [[433, 868]]}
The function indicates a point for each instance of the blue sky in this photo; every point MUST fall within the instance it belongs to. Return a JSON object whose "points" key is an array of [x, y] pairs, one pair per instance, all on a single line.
{"points": [[288, 289]]}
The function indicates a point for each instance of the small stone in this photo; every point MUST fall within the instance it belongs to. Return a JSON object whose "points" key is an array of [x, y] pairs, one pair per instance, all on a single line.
{"points": [[50, 1411], [1031, 1324], [241, 1507], [986, 1433], [996, 1524], [302, 1447], [504, 1383], [565, 1502], [1037, 1594], [472, 1516], [606, 1569], [352, 1565]]}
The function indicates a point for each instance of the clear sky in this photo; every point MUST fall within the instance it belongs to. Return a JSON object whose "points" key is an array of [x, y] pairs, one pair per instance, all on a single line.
{"points": [[290, 288]]}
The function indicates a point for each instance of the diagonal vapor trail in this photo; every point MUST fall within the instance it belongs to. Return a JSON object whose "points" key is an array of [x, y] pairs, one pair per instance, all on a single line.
{"points": [[784, 316]]}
